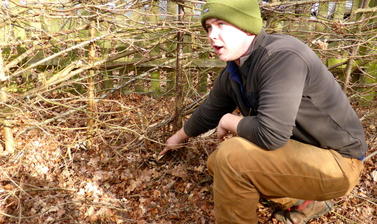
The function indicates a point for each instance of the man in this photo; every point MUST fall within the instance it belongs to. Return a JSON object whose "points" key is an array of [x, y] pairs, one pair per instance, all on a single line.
{"points": [[300, 143]]}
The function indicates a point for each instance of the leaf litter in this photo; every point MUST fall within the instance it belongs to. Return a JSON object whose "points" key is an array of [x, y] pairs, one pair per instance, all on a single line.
{"points": [[53, 177]]}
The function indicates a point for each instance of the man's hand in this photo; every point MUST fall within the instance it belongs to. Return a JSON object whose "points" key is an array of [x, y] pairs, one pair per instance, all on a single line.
{"points": [[175, 141], [228, 123]]}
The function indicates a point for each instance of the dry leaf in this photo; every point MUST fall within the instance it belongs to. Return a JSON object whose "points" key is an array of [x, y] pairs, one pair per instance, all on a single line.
{"points": [[374, 175]]}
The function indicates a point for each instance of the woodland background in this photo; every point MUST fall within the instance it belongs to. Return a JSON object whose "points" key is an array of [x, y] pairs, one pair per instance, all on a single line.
{"points": [[91, 89]]}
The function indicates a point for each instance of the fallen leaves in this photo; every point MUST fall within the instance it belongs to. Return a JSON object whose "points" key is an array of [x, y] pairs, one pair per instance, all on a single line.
{"points": [[53, 178], [374, 175], [143, 177]]}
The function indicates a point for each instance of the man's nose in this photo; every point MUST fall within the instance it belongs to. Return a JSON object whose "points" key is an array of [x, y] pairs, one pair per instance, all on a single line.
{"points": [[213, 33]]}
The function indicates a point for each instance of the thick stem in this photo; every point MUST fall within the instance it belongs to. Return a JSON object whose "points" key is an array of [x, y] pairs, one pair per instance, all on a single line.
{"points": [[7, 130], [91, 90], [178, 77], [348, 70], [8, 136]]}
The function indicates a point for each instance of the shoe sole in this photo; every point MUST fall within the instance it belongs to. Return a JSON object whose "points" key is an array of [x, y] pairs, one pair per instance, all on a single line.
{"points": [[282, 217]]}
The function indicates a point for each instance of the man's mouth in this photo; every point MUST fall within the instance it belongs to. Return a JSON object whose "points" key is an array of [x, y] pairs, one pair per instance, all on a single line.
{"points": [[217, 48]]}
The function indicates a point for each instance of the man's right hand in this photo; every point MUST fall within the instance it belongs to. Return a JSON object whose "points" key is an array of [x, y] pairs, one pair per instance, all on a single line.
{"points": [[175, 141]]}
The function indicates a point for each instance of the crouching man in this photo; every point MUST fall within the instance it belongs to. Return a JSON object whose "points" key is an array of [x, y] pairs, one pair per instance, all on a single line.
{"points": [[299, 141]]}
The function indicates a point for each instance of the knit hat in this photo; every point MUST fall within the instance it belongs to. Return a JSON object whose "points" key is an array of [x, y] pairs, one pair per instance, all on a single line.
{"points": [[244, 14]]}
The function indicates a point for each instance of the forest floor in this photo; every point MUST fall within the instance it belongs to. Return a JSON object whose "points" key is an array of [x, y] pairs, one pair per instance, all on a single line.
{"points": [[54, 176]]}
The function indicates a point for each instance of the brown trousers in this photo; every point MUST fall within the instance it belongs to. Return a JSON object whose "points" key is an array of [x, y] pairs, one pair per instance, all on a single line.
{"points": [[243, 172]]}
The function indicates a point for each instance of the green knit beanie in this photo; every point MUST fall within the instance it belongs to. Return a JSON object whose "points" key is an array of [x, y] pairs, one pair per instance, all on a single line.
{"points": [[244, 14]]}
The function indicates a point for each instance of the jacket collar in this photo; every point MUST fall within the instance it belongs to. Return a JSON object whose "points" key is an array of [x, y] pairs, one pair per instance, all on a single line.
{"points": [[258, 41], [254, 45]]}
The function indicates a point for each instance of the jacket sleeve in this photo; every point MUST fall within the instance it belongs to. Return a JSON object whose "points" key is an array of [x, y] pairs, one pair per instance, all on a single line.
{"points": [[208, 114], [280, 87]]}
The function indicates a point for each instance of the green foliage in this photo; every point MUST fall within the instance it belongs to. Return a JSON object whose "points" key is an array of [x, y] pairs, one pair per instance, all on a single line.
{"points": [[335, 61], [371, 78], [155, 83]]}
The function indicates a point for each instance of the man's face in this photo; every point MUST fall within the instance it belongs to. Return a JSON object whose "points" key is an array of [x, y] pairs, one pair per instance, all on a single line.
{"points": [[229, 42]]}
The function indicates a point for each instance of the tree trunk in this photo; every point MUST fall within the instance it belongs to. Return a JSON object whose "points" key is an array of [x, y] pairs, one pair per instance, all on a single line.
{"points": [[2, 72], [91, 90], [178, 76], [8, 136], [7, 130]]}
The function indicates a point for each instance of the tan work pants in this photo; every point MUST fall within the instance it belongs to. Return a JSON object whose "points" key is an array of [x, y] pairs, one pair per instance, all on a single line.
{"points": [[243, 172]]}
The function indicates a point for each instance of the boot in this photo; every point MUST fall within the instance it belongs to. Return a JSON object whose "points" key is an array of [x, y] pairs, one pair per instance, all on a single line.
{"points": [[304, 211]]}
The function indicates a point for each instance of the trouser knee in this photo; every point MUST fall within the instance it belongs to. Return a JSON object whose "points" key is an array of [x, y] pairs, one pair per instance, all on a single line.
{"points": [[228, 156]]}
